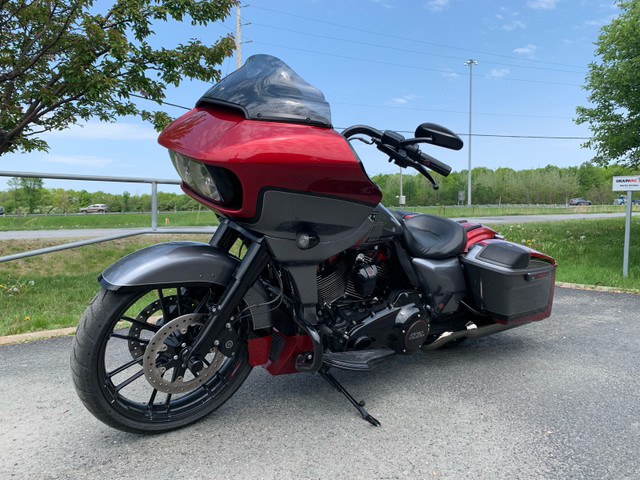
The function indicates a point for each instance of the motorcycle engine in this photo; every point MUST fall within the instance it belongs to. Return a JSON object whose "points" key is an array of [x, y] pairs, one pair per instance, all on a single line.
{"points": [[360, 309], [351, 275]]}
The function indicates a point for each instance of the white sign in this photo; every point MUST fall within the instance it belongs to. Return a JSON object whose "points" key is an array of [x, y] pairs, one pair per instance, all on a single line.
{"points": [[624, 184]]}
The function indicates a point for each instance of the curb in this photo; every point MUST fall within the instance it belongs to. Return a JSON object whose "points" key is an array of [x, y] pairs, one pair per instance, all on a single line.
{"points": [[41, 335], [44, 334], [598, 288]]}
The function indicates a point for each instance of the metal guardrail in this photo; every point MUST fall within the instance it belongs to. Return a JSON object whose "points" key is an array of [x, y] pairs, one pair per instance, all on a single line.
{"points": [[98, 178]]}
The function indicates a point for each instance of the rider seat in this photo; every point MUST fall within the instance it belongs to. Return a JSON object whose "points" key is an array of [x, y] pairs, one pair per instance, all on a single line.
{"points": [[433, 237]]}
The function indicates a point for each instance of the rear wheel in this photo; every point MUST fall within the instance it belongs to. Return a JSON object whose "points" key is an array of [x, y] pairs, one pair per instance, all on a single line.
{"points": [[126, 361]]}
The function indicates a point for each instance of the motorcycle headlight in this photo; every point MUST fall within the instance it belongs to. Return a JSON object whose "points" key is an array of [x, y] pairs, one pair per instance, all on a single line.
{"points": [[214, 183]]}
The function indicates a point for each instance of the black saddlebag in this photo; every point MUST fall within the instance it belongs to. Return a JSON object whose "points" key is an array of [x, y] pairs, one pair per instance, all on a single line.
{"points": [[510, 282]]}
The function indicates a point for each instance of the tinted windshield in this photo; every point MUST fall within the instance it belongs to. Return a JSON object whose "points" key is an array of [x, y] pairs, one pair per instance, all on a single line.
{"points": [[265, 88]]}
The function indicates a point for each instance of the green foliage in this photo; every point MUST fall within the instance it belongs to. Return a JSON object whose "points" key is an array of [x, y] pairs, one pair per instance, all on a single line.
{"points": [[33, 190], [30, 196], [70, 60], [545, 186], [614, 90]]}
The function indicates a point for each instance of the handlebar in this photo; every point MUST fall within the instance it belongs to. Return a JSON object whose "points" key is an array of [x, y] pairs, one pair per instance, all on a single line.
{"points": [[404, 153], [428, 161]]}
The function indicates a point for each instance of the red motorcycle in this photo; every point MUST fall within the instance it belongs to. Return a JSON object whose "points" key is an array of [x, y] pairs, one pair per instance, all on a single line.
{"points": [[307, 271]]}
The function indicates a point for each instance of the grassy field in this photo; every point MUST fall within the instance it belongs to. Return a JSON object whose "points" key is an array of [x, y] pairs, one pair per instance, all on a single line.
{"points": [[51, 291], [206, 217], [498, 211]]}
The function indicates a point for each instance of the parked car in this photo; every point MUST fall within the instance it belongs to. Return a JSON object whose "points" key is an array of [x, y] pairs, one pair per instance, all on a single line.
{"points": [[1, 210], [579, 201], [622, 200], [95, 208]]}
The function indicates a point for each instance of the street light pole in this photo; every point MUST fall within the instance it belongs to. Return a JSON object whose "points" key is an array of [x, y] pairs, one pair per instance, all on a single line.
{"points": [[470, 63], [238, 38]]}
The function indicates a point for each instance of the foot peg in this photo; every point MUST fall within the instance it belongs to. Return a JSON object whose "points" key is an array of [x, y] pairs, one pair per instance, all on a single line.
{"points": [[359, 405]]}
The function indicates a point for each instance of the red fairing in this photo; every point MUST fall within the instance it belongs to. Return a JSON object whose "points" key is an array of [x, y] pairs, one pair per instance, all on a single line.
{"points": [[269, 155], [286, 363], [476, 233]]}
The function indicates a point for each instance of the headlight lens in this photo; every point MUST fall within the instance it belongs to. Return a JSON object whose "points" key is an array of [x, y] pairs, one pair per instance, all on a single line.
{"points": [[197, 176]]}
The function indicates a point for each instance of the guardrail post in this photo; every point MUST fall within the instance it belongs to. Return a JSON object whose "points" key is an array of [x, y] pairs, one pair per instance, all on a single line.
{"points": [[154, 205]]}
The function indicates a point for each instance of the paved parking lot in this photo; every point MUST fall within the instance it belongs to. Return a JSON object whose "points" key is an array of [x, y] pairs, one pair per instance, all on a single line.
{"points": [[557, 399]]}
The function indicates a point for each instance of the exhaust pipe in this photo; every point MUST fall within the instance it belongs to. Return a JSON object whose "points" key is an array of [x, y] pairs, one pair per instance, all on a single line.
{"points": [[472, 331]]}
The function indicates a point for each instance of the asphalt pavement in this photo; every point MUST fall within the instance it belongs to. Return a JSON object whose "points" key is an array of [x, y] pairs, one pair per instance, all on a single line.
{"points": [[558, 399]]}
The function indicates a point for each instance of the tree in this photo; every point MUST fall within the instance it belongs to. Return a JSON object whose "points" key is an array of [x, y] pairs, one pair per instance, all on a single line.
{"points": [[32, 188], [614, 86], [14, 187], [64, 60]]}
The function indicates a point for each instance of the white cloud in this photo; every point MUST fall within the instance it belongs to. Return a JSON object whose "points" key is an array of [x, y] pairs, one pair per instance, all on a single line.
{"points": [[498, 72], [404, 99], [450, 75], [542, 4], [436, 5], [512, 25], [109, 131], [528, 49], [83, 160], [384, 4]]}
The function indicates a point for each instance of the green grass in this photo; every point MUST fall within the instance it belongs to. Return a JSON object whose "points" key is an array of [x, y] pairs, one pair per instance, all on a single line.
{"points": [[206, 217], [111, 220], [52, 291], [497, 211]]}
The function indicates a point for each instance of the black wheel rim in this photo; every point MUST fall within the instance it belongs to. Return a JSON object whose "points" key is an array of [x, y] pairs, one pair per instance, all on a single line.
{"points": [[122, 380]]}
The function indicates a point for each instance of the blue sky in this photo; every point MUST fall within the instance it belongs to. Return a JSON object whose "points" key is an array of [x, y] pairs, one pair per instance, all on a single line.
{"points": [[392, 65]]}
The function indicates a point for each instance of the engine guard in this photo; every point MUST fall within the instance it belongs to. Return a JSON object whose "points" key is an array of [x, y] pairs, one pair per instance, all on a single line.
{"points": [[183, 263]]}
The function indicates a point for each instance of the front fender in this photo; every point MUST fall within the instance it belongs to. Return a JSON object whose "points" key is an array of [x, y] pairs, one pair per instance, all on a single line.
{"points": [[183, 263]]}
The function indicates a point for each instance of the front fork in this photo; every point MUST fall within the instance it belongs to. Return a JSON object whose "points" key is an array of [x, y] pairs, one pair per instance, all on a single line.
{"points": [[247, 273], [249, 270]]}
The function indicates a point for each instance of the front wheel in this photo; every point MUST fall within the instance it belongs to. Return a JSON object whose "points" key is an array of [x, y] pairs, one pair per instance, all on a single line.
{"points": [[126, 362]]}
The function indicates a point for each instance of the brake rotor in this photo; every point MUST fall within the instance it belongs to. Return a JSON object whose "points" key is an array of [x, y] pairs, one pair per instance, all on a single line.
{"points": [[137, 348], [162, 356], [154, 309]]}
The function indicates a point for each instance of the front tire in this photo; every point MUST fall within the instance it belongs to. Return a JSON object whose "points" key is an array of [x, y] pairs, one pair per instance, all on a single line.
{"points": [[109, 348]]}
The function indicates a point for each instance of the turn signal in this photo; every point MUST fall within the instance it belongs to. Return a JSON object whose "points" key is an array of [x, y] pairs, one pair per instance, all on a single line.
{"points": [[306, 240]]}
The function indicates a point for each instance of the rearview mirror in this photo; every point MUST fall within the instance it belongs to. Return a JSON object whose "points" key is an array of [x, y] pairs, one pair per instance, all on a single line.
{"points": [[439, 135]]}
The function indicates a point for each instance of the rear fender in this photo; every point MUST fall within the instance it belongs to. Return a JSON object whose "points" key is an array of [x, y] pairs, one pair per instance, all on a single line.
{"points": [[186, 264]]}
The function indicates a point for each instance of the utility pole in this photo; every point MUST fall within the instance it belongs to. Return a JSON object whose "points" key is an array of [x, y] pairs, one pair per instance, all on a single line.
{"points": [[470, 63], [401, 199], [238, 39]]}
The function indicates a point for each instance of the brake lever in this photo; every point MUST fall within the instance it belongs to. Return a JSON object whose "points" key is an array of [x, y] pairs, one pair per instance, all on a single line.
{"points": [[426, 173], [401, 158]]}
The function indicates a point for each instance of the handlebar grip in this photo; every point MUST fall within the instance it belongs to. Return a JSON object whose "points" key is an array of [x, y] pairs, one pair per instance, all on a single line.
{"points": [[428, 161], [435, 164]]}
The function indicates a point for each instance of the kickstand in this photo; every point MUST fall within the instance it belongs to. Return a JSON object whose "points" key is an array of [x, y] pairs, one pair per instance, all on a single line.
{"points": [[359, 405]]}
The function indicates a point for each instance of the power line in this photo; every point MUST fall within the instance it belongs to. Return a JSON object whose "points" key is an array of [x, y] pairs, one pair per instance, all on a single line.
{"points": [[162, 102], [420, 109], [415, 67], [543, 137], [418, 52], [465, 50], [529, 137]]}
